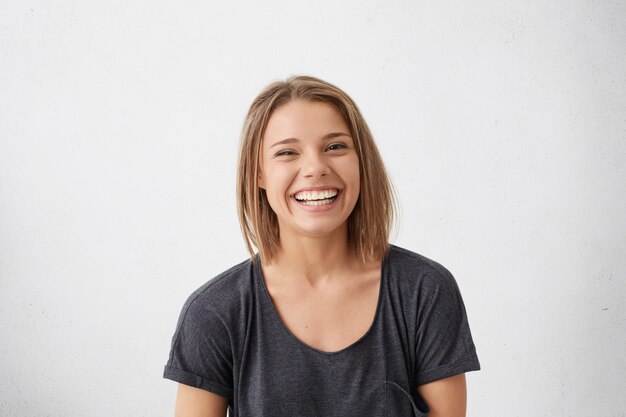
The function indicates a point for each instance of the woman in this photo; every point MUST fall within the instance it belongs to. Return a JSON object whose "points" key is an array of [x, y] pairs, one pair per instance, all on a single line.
{"points": [[328, 319]]}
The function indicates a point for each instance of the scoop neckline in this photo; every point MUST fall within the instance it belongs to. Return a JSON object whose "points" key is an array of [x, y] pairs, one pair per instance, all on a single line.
{"points": [[381, 288]]}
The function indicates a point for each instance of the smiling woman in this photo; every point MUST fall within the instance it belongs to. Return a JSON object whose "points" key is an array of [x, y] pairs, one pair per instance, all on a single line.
{"points": [[327, 318], [373, 211], [311, 180]]}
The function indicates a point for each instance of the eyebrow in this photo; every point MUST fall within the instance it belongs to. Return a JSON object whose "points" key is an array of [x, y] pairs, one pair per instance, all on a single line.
{"points": [[328, 136]]}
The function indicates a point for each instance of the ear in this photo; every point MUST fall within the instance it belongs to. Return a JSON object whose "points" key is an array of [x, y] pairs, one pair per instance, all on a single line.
{"points": [[260, 180]]}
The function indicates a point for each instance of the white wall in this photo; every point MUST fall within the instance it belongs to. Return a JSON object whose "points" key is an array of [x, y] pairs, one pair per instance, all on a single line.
{"points": [[503, 125]]}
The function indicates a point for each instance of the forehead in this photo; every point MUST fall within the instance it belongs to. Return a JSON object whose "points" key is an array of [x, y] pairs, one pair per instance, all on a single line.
{"points": [[304, 120]]}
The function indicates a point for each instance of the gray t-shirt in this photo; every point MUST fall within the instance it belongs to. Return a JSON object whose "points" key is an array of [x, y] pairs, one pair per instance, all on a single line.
{"points": [[231, 341]]}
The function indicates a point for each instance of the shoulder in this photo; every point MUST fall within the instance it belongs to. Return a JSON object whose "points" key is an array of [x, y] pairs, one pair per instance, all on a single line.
{"points": [[223, 293], [411, 265], [413, 269]]}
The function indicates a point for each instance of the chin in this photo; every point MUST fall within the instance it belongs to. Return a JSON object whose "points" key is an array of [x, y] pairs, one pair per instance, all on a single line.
{"points": [[323, 230]]}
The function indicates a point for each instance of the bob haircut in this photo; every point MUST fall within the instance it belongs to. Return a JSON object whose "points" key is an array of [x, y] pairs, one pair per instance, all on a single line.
{"points": [[369, 224]]}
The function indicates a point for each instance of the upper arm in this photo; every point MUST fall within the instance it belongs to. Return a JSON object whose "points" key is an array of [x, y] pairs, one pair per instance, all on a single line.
{"points": [[196, 402], [445, 397]]}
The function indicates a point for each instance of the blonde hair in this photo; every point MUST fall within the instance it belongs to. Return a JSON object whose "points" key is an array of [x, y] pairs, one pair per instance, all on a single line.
{"points": [[369, 224]]}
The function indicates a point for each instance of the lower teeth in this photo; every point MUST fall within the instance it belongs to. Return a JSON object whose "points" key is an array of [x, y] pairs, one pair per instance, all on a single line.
{"points": [[317, 202]]}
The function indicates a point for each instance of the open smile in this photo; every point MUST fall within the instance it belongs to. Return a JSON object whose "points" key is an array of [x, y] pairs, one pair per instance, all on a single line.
{"points": [[317, 197]]}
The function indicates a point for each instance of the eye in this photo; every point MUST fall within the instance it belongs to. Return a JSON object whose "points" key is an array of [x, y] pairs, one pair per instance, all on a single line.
{"points": [[337, 146], [286, 152]]}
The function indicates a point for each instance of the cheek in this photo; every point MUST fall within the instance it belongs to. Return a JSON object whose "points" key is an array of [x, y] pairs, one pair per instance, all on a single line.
{"points": [[277, 182], [354, 171]]}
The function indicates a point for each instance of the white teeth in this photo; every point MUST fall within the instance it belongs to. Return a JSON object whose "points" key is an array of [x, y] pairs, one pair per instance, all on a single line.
{"points": [[317, 202], [316, 195]]}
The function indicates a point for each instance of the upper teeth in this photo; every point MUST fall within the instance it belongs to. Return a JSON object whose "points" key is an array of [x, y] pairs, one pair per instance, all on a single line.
{"points": [[315, 195]]}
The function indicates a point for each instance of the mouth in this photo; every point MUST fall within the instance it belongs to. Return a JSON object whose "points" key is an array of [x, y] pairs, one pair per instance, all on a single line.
{"points": [[317, 198]]}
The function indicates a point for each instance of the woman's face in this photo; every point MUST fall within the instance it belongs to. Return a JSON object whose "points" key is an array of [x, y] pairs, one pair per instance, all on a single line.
{"points": [[309, 168]]}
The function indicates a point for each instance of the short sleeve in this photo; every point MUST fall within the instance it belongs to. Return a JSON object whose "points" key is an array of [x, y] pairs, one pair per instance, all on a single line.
{"points": [[444, 342], [201, 353]]}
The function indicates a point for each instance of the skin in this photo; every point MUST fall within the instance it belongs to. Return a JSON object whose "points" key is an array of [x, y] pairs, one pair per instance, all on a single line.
{"points": [[446, 397], [307, 144], [314, 245], [196, 402]]}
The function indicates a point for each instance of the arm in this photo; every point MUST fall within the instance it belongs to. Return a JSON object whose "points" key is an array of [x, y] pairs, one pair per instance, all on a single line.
{"points": [[196, 402], [446, 397]]}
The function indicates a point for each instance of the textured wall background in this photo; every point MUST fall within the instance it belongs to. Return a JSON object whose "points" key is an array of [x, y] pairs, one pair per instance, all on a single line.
{"points": [[502, 124]]}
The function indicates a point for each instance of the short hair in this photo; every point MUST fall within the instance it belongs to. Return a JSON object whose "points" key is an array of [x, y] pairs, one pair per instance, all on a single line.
{"points": [[370, 222]]}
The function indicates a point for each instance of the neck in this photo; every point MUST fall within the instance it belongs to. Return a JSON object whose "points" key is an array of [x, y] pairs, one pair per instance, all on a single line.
{"points": [[313, 260]]}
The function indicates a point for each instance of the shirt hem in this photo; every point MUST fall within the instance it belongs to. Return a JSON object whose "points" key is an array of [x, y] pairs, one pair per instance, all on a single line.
{"points": [[446, 371], [196, 381]]}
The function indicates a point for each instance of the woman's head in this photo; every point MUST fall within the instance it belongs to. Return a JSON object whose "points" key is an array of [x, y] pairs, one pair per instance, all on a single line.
{"points": [[368, 224]]}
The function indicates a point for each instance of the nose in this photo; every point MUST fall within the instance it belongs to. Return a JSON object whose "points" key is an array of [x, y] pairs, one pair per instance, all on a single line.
{"points": [[314, 166]]}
